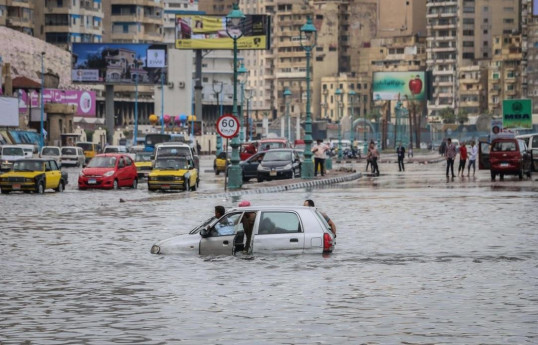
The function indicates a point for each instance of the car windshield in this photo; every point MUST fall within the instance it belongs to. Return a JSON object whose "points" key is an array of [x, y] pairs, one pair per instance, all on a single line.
{"points": [[69, 151], [171, 164], [12, 151], [28, 166], [102, 162], [273, 145], [173, 151], [50, 151], [277, 156], [143, 157], [504, 146]]}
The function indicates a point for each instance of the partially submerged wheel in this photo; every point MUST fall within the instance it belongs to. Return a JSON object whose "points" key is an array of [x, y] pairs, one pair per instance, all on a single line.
{"points": [[135, 184], [115, 186], [60, 187], [40, 188]]}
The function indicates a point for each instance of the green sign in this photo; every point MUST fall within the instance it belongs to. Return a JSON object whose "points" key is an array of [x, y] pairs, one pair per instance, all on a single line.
{"points": [[397, 85], [517, 113]]}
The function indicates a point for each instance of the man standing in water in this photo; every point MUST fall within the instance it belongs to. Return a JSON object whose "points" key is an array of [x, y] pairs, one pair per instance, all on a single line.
{"points": [[400, 150], [450, 154], [310, 203]]}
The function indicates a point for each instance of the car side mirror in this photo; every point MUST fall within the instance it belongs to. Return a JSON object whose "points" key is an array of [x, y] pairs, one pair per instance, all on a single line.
{"points": [[205, 232]]}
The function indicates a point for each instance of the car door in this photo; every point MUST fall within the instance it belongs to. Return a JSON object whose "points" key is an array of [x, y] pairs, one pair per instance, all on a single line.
{"points": [[483, 155], [250, 166], [222, 236], [278, 232], [52, 174], [296, 163]]}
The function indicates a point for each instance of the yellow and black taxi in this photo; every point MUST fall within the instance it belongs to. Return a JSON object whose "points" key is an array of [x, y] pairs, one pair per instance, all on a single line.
{"points": [[221, 163], [33, 175], [173, 173], [143, 163]]}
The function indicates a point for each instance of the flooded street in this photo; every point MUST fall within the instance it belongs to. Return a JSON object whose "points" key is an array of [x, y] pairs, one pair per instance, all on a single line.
{"points": [[417, 261]]}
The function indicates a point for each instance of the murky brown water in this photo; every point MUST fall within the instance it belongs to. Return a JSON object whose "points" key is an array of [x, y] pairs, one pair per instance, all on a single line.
{"points": [[418, 261]]}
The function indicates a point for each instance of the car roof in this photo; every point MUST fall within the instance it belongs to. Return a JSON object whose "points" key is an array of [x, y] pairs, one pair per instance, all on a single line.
{"points": [[36, 160], [173, 143], [112, 154], [271, 208]]}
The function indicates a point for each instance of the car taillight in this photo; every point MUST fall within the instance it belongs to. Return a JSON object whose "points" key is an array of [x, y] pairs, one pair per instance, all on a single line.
{"points": [[327, 242]]}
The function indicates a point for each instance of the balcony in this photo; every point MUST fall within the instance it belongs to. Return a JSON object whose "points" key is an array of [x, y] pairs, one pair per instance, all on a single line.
{"points": [[150, 3], [20, 3], [19, 22]]}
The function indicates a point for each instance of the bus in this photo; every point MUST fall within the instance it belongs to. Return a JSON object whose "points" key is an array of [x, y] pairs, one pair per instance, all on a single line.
{"points": [[154, 138]]}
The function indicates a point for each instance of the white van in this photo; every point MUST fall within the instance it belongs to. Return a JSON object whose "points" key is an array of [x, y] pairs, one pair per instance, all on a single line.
{"points": [[51, 152], [73, 155], [9, 154], [532, 146], [176, 149]]}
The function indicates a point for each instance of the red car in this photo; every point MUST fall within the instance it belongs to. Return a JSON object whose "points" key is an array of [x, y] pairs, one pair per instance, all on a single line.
{"points": [[109, 171], [509, 156]]}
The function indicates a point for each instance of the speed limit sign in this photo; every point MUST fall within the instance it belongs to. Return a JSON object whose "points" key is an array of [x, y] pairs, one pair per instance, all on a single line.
{"points": [[227, 126]]}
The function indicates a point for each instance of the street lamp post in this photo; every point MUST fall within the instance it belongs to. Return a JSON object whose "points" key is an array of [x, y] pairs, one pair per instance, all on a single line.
{"points": [[351, 95], [248, 96], [217, 89], [42, 105], [328, 161], [308, 39], [135, 133], [234, 28], [241, 75], [339, 98], [287, 94]]}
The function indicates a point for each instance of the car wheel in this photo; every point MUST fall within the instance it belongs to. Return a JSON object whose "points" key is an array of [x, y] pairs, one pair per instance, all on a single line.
{"points": [[187, 186], [135, 184], [115, 186], [260, 179], [493, 176], [245, 179], [529, 174], [193, 188], [217, 171], [501, 177], [60, 187], [5, 191], [40, 188]]}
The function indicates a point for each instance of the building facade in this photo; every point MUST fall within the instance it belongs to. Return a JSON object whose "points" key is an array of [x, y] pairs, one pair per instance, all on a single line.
{"points": [[133, 21], [18, 15]]}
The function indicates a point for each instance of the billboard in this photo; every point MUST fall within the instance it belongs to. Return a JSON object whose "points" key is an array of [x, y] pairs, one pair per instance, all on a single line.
{"points": [[535, 8], [391, 85], [517, 114], [209, 32], [9, 116], [83, 100], [119, 63]]}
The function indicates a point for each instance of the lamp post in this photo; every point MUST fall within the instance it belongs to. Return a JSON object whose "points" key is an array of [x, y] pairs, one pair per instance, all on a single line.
{"points": [[135, 134], [217, 89], [351, 95], [162, 101], [234, 28], [241, 72], [248, 96], [287, 94], [328, 161], [339, 98], [308, 39], [42, 105]]}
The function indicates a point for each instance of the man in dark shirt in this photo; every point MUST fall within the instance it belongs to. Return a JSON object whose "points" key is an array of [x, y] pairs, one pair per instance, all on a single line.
{"points": [[310, 203], [400, 150]]}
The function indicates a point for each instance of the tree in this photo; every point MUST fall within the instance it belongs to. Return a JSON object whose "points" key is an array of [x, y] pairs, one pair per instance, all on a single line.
{"points": [[448, 115], [462, 116]]}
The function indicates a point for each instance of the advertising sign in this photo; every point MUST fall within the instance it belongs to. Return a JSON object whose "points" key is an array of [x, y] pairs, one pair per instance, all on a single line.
{"points": [[388, 86], [209, 32], [83, 100], [535, 8], [517, 113], [119, 63], [9, 116]]}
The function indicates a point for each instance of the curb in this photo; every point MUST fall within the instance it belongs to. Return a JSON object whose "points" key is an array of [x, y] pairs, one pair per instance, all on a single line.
{"points": [[288, 187]]}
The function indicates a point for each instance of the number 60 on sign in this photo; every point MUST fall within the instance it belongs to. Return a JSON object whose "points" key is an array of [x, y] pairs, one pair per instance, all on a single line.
{"points": [[227, 126]]}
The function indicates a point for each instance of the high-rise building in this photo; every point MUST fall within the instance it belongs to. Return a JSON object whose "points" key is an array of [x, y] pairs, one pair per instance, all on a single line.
{"points": [[64, 22], [171, 8], [529, 44], [218, 7], [133, 21], [460, 34], [18, 15]]}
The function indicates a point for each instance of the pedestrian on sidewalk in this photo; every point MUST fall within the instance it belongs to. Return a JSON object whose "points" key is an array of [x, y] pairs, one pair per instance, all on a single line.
{"points": [[450, 155], [400, 151], [410, 151], [369, 156], [472, 158], [375, 157], [319, 151], [463, 159]]}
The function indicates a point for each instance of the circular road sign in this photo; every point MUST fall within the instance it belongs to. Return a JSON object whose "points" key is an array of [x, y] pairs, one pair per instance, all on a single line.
{"points": [[227, 126]]}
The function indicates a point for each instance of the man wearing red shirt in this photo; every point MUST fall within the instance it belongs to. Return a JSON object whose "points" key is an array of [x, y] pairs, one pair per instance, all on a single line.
{"points": [[463, 159]]}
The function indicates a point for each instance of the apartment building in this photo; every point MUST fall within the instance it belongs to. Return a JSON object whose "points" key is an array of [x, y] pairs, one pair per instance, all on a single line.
{"points": [[460, 34], [18, 15], [133, 21], [220, 7], [345, 82], [171, 8], [529, 44], [473, 83], [64, 22], [505, 71]]}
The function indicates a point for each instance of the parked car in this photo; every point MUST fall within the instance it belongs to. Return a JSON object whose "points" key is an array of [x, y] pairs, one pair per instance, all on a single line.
{"points": [[51, 152], [90, 149], [276, 230], [33, 175], [279, 164], [509, 156], [9, 154], [72, 156], [249, 167], [143, 163], [273, 143], [109, 171], [531, 140], [179, 150], [115, 149], [173, 173], [220, 163]]}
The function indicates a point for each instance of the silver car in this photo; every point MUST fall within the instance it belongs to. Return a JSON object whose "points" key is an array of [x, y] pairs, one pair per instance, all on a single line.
{"points": [[276, 229]]}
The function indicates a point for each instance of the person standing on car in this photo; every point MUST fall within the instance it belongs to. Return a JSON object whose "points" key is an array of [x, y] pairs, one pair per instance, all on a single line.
{"points": [[472, 158], [463, 159], [400, 151], [450, 155], [310, 203], [319, 151]]}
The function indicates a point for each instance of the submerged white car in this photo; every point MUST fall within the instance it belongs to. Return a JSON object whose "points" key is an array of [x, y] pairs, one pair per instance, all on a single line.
{"points": [[276, 229]]}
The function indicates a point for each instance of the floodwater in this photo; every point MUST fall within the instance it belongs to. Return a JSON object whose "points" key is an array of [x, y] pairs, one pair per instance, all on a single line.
{"points": [[418, 261]]}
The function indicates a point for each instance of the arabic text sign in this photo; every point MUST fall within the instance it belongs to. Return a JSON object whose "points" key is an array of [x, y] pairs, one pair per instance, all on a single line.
{"points": [[517, 113], [390, 85], [84, 100]]}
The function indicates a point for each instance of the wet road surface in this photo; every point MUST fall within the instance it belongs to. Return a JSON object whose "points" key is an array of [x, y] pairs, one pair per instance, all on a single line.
{"points": [[418, 260]]}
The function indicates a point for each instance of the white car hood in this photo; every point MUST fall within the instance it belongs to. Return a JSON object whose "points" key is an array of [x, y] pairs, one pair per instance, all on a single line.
{"points": [[180, 244]]}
